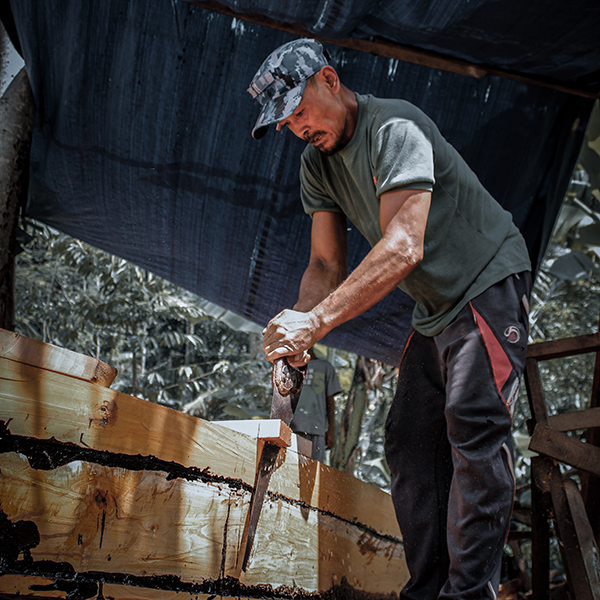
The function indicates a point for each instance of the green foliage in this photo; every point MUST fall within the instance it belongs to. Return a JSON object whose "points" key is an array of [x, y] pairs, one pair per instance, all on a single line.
{"points": [[165, 347]]}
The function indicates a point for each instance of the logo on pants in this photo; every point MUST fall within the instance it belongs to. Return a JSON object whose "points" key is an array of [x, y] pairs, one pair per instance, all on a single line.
{"points": [[512, 334]]}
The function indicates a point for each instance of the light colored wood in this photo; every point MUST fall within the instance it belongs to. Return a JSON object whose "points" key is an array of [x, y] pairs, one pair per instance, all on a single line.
{"points": [[268, 430], [52, 358], [271, 430], [44, 404], [112, 520]]}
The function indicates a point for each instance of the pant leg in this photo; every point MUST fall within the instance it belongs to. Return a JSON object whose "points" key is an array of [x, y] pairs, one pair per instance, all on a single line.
{"points": [[448, 446], [483, 354], [419, 457]]}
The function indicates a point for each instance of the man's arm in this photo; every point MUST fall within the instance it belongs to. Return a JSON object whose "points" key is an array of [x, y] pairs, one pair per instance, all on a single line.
{"points": [[327, 267], [326, 270], [403, 219]]}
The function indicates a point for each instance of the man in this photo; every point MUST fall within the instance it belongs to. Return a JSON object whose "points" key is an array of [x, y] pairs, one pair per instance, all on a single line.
{"points": [[440, 236], [314, 417]]}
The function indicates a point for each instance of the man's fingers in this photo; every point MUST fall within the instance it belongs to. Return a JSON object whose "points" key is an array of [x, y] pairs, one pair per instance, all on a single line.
{"points": [[299, 360]]}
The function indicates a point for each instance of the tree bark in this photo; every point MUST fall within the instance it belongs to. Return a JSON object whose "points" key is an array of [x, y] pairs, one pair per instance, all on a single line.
{"points": [[16, 123]]}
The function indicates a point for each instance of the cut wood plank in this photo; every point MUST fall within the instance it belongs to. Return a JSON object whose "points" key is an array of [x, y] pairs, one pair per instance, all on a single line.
{"points": [[45, 405], [271, 430], [52, 358], [572, 421], [268, 430], [121, 524], [566, 449]]}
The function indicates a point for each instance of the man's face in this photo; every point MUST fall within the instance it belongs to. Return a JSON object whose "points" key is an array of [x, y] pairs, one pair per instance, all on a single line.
{"points": [[320, 119]]}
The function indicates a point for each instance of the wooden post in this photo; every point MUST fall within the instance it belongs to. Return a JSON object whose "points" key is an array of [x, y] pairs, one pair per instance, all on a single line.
{"points": [[16, 122], [540, 529], [590, 484]]}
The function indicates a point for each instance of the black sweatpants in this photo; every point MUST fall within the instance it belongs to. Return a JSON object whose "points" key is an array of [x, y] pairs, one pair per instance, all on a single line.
{"points": [[449, 448]]}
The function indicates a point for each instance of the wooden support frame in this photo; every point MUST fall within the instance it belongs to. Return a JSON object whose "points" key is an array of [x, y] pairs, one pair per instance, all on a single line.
{"points": [[555, 496]]}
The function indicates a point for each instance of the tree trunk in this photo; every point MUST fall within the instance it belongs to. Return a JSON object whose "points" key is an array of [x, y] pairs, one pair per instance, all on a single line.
{"points": [[16, 122]]}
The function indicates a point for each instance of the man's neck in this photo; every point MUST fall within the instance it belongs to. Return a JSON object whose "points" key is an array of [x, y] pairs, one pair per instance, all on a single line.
{"points": [[349, 100]]}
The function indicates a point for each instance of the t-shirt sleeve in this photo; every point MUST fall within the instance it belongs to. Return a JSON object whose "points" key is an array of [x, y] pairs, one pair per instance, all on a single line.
{"points": [[332, 383], [312, 191], [402, 157]]}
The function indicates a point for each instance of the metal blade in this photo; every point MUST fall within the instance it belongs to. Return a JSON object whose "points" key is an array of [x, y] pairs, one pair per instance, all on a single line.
{"points": [[266, 466], [287, 385]]}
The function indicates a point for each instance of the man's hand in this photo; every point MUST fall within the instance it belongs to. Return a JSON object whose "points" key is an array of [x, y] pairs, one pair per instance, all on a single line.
{"points": [[291, 333]]}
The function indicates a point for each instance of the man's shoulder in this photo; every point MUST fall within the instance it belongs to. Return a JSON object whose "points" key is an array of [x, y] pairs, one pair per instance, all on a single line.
{"points": [[380, 110]]}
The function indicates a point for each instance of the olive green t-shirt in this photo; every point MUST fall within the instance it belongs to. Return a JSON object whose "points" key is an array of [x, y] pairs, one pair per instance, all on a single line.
{"points": [[471, 242]]}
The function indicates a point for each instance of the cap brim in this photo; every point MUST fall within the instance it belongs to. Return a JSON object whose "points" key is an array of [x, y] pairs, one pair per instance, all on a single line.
{"points": [[277, 109]]}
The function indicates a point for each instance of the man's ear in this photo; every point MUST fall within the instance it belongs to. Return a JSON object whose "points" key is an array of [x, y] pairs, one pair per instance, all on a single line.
{"points": [[329, 76]]}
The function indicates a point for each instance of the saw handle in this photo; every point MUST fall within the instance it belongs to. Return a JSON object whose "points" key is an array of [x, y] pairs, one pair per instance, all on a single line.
{"points": [[288, 379]]}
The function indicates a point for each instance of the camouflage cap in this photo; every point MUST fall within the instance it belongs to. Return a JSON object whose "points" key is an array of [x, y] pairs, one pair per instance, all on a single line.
{"points": [[279, 83]]}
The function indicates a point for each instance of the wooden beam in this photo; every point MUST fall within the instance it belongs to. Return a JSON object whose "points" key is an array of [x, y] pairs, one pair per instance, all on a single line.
{"points": [[535, 392], [590, 485], [103, 489], [572, 421], [122, 524], [16, 122], [396, 51], [563, 448], [540, 529], [570, 546], [585, 537], [564, 347], [24, 350], [43, 405]]}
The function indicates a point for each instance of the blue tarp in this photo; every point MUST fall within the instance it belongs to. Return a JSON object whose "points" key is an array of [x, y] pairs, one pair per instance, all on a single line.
{"points": [[142, 141]]}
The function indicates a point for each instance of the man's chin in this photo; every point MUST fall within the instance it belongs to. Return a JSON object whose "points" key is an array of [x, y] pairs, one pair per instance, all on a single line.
{"points": [[338, 145], [331, 150]]}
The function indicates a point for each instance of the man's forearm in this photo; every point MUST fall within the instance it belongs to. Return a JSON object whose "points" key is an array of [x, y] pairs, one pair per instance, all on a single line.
{"points": [[375, 277], [318, 281]]}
